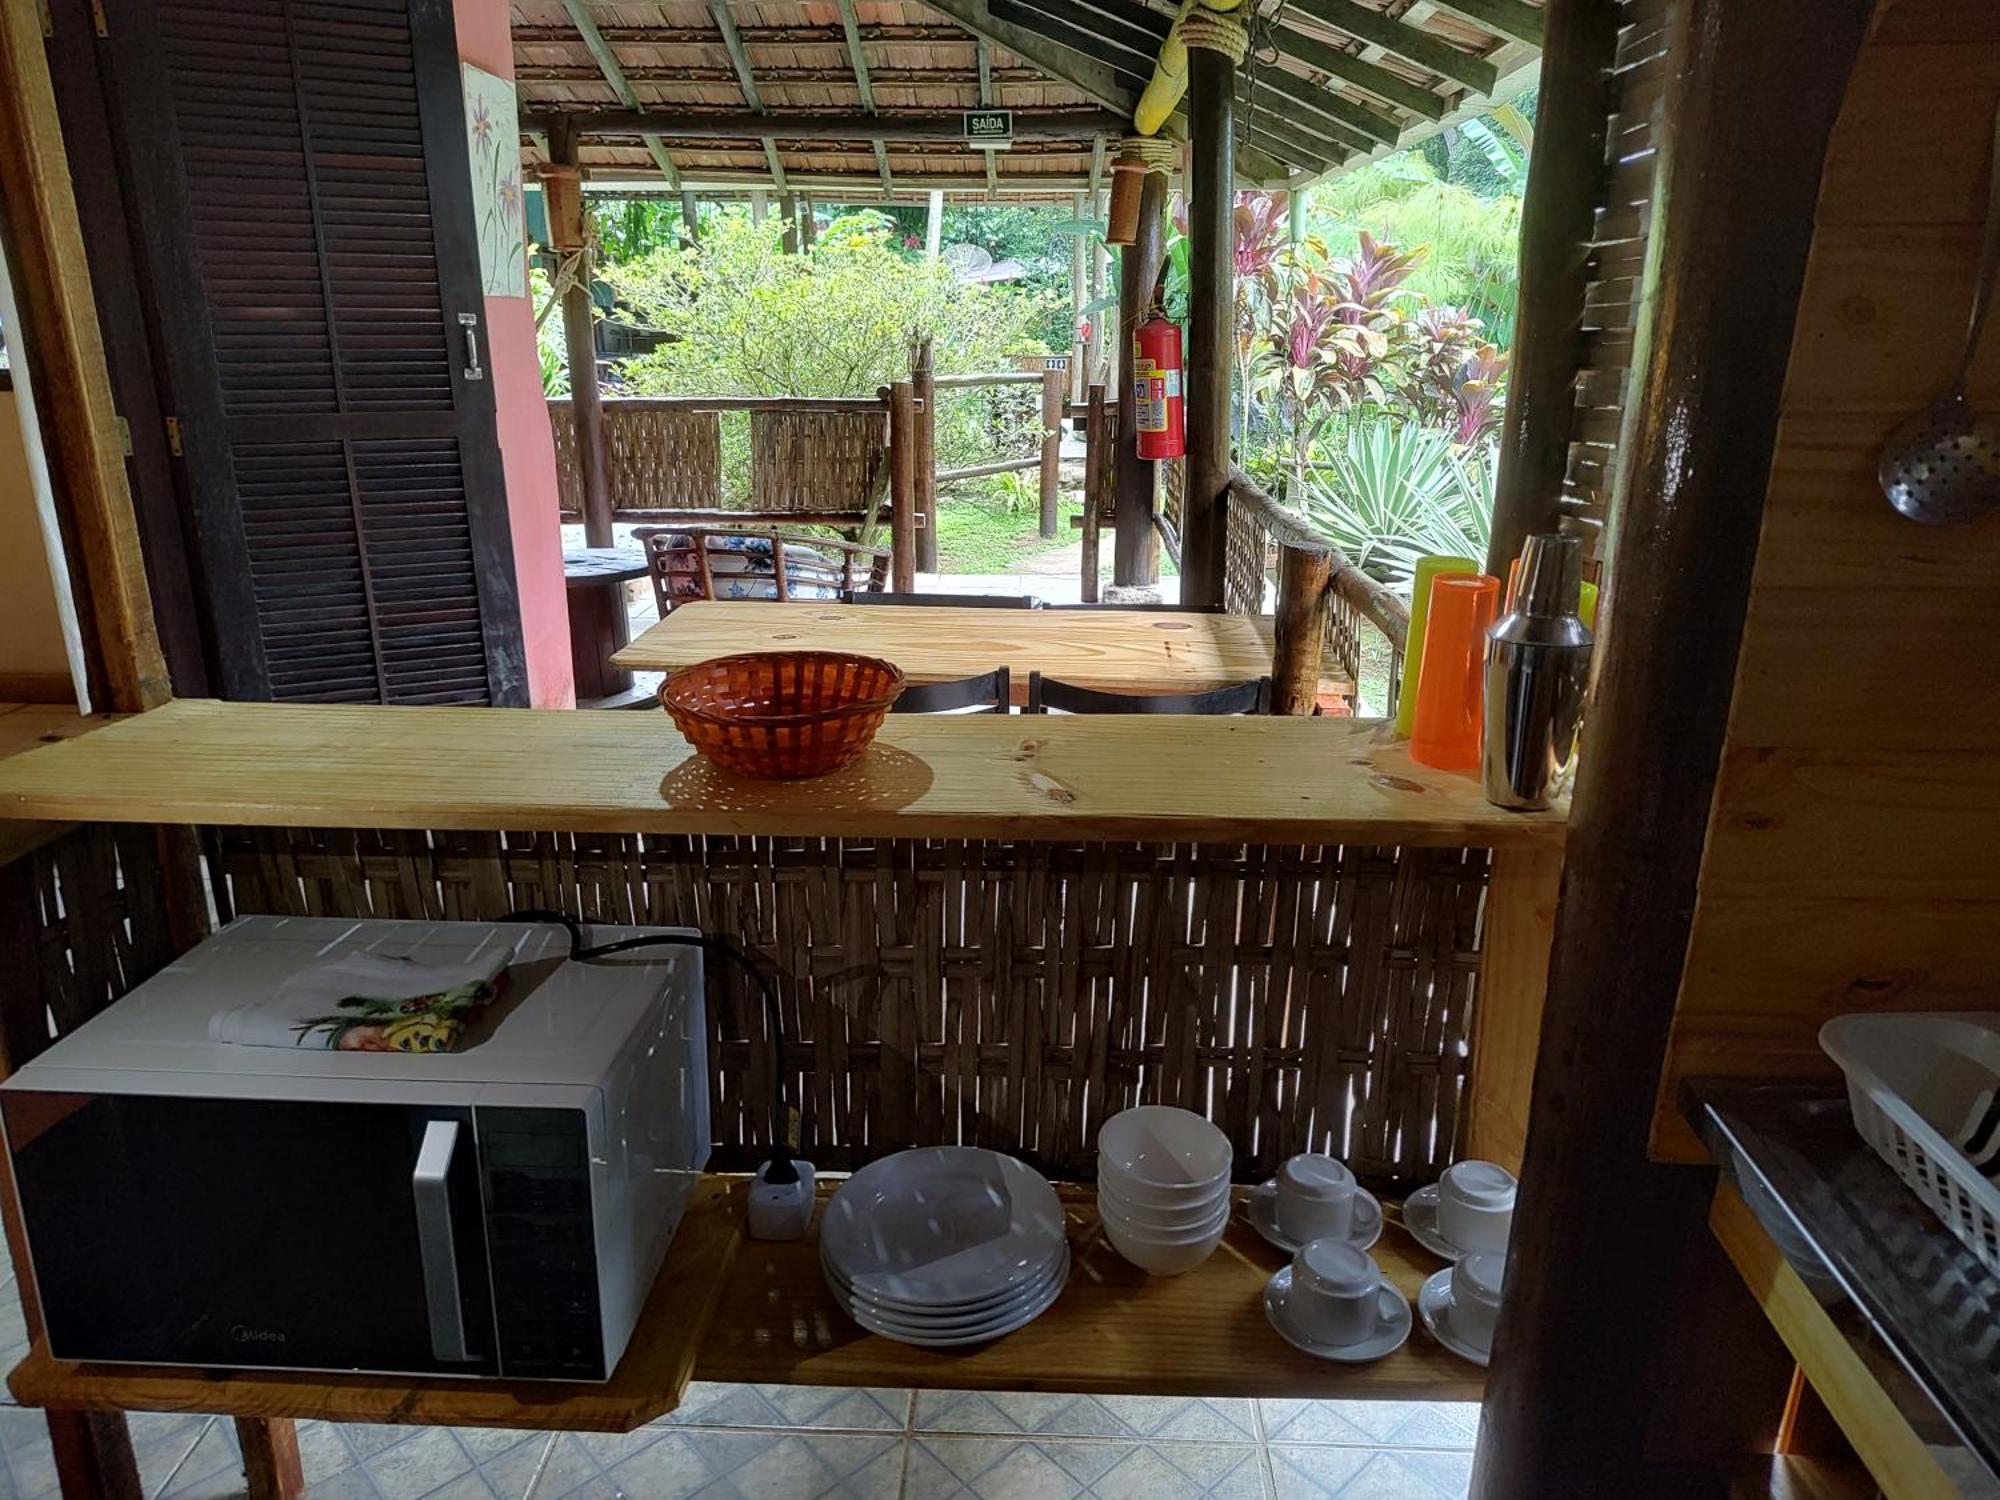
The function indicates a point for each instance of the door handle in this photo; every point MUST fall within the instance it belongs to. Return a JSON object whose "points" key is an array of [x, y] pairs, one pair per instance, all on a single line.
{"points": [[468, 324], [435, 1243]]}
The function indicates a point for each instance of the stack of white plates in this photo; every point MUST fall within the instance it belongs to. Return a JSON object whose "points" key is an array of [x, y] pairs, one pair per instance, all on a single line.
{"points": [[1163, 1187], [944, 1245]]}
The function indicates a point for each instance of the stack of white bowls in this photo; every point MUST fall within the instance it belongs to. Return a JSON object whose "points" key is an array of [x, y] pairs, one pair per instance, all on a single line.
{"points": [[1163, 1187], [945, 1245]]}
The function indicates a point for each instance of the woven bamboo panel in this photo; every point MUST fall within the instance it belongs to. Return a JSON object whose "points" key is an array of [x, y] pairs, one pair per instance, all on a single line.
{"points": [[1173, 492], [1246, 556], [654, 460], [1008, 995], [818, 461]]}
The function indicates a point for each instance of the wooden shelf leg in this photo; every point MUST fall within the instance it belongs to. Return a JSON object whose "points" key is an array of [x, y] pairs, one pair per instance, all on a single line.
{"points": [[271, 1463], [93, 1453]]}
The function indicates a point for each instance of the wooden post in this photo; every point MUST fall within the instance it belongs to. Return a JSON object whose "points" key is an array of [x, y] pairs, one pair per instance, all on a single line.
{"points": [[924, 391], [808, 228], [1295, 216], [1570, 1394], [1135, 556], [579, 313], [1558, 213], [1051, 472], [690, 217], [1097, 434], [1079, 273], [934, 224], [1305, 594], [760, 204], [1100, 265], [1211, 297], [272, 1469], [902, 486]]}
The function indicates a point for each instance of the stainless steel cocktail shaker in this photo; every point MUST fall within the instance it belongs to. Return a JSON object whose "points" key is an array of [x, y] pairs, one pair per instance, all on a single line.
{"points": [[1537, 666]]}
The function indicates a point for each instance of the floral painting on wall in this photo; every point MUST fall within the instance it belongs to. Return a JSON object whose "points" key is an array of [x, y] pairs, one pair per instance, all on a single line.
{"points": [[493, 141]]}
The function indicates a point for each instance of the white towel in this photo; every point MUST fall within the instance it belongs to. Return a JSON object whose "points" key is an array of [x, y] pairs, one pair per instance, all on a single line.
{"points": [[316, 1006]]}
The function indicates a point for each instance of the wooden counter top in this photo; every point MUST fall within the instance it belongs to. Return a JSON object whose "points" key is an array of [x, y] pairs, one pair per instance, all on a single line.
{"points": [[1274, 780]]}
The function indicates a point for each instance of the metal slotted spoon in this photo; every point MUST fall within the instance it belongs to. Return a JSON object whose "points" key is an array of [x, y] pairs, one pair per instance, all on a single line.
{"points": [[1943, 465]]}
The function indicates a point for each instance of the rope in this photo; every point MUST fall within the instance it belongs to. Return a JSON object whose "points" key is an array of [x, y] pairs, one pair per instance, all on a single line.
{"points": [[1215, 33], [1156, 153]]}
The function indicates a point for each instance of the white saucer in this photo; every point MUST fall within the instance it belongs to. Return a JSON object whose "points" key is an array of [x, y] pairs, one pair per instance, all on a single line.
{"points": [[1392, 1324], [1420, 1217], [1434, 1304], [1361, 1234]]}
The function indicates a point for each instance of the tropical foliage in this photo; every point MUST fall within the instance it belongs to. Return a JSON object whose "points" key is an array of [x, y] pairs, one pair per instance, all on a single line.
{"points": [[1392, 491]]}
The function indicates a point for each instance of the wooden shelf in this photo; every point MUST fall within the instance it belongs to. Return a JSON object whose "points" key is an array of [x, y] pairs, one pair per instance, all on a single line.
{"points": [[1275, 780], [728, 1309]]}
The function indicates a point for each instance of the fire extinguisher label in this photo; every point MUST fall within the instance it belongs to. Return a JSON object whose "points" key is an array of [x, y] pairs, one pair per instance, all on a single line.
{"points": [[1150, 388]]}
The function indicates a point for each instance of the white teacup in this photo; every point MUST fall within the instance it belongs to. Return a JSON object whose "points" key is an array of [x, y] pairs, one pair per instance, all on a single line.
{"points": [[1475, 1297], [1315, 1198], [1476, 1205], [1335, 1292]]}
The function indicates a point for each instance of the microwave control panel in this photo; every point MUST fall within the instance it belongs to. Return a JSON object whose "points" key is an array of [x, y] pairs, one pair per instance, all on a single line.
{"points": [[541, 1243]]}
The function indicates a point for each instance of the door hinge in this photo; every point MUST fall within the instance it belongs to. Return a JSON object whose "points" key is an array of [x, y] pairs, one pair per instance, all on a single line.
{"points": [[124, 437], [97, 18], [174, 436]]}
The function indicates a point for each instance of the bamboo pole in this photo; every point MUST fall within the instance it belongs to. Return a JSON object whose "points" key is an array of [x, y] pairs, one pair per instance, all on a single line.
{"points": [[1079, 274], [1097, 432], [924, 391], [1051, 454], [1305, 594], [1135, 557], [1211, 201], [902, 486]]}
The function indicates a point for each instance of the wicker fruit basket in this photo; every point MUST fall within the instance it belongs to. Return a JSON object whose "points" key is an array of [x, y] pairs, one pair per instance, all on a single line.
{"points": [[782, 714]]}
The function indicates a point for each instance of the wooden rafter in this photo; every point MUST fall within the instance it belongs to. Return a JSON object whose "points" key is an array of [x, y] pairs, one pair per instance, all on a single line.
{"points": [[1423, 48], [614, 74], [1512, 19], [1111, 87], [985, 51], [1336, 62], [864, 85], [689, 124], [746, 78]]}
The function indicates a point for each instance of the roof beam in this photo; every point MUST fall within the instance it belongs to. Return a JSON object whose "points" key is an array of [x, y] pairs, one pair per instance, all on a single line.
{"points": [[1029, 125], [746, 78], [1372, 77], [850, 28], [1406, 42], [1512, 19], [1085, 74], [614, 74]]}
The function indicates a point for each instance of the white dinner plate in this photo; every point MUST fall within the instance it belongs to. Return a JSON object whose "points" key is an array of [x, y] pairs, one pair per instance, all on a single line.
{"points": [[940, 1225], [915, 1312], [1434, 1307], [1361, 1234], [935, 1338], [1392, 1324]]}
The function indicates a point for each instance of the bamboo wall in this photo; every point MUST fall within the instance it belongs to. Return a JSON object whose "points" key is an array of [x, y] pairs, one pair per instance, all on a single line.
{"points": [[1853, 856]]}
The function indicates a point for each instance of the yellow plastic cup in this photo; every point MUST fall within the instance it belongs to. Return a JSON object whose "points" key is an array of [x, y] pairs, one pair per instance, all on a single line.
{"points": [[1428, 569]]}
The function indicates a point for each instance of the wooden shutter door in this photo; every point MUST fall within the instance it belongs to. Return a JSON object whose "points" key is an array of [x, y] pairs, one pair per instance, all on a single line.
{"points": [[301, 170]]}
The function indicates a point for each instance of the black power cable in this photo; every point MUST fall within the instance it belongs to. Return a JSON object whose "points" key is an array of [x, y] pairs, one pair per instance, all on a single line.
{"points": [[781, 1169]]}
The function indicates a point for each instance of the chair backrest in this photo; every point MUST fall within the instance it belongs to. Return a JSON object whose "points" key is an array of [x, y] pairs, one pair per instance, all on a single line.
{"points": [[1047, 693], [722, 562], [952, 601], [818, 462], [1154, 609], [990, 692], [655, 459]]}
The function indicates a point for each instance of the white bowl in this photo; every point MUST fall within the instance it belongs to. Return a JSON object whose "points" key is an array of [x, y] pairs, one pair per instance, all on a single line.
{"points": [[1163, 1234], [1193, 1216], [1155, 1146], [1161, 1260]]}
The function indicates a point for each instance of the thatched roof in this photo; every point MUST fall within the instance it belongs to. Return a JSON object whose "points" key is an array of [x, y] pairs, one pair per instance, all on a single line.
{"points": [[663, 90]]}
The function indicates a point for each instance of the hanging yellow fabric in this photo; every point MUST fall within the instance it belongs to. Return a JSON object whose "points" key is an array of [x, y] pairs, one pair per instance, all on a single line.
{"points": [[1170, 74]]}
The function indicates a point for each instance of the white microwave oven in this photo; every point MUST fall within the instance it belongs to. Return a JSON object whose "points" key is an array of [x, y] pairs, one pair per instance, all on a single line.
{"points": [[500, 1210]]}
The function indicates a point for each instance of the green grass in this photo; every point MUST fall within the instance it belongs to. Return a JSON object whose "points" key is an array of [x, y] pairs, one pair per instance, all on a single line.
{"points": [[978, 532]]}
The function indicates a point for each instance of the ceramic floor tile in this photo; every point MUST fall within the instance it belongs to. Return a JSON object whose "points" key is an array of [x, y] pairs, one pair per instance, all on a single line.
{"points": [[24, 1438], [809, 1466], [971, 1468], [511, 1471], [669, 1469], [212, 1471], [162, 1442], [323, 1451], [567, 1467], [487, 1444], [428, 1460], [349, 1484], [468, 1486], [1448, 1474], [980, 1413], [1183, 1471], [1373, 1424], [1316, 1473], [775, 1406]]}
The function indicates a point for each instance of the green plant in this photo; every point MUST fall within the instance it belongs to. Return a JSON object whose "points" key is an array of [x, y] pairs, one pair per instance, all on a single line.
{"points": [[1388, 493]]}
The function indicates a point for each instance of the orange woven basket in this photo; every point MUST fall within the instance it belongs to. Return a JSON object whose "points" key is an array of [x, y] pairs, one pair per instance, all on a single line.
{"points": [[782, 714]]}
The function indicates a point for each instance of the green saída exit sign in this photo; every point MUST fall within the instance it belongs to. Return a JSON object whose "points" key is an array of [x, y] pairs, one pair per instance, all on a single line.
{"points": [[989, 127]]}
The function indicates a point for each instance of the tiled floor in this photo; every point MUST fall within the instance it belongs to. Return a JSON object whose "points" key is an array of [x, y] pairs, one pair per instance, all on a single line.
{"points": [[735, 1442]]}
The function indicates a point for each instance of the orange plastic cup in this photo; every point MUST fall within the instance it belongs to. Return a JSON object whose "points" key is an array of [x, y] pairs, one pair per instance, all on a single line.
{"points": [[1450, 685]]}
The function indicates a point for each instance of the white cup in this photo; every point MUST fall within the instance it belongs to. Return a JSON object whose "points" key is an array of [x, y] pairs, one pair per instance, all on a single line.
{"points": [[1476, 1205], [1475, 1297], [1335, 1292], [1315, 1198]]}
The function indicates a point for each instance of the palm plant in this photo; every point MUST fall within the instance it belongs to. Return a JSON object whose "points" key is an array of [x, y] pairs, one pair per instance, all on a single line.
{"points": [[1391, 492]]}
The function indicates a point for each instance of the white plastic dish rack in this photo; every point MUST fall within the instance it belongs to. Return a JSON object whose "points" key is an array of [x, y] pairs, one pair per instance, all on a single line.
{"points": [[1912, 1080]]}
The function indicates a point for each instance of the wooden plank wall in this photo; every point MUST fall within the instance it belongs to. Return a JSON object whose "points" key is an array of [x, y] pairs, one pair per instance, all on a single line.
{"points": [[1853, 858]]}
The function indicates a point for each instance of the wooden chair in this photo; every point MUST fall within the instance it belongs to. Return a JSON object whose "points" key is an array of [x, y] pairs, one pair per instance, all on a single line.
{"points": [[1156, 609], [726, 562], [951, 601], [1046, 693], [990, 692]]}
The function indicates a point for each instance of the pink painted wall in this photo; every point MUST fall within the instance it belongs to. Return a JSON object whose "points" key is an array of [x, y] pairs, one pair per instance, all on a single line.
{"points": [[527, 451]]}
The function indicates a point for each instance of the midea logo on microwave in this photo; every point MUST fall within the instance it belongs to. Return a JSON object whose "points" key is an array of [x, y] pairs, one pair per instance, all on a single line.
{"points": [[244, 1335]]}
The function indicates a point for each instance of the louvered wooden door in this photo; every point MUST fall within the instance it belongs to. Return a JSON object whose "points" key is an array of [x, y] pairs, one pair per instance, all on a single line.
{"points": [[301, 166]]}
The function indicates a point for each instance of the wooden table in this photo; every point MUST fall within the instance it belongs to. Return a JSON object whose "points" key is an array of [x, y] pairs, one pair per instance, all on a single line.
{"points": [[598, 623], [1113, 650]]}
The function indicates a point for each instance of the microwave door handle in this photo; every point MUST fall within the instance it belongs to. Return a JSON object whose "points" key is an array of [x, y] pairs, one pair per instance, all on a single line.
{"points": [[434, 1239]]}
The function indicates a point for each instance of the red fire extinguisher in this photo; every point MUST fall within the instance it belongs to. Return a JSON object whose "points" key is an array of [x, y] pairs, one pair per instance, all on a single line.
{"points": [[1156, 387]]}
